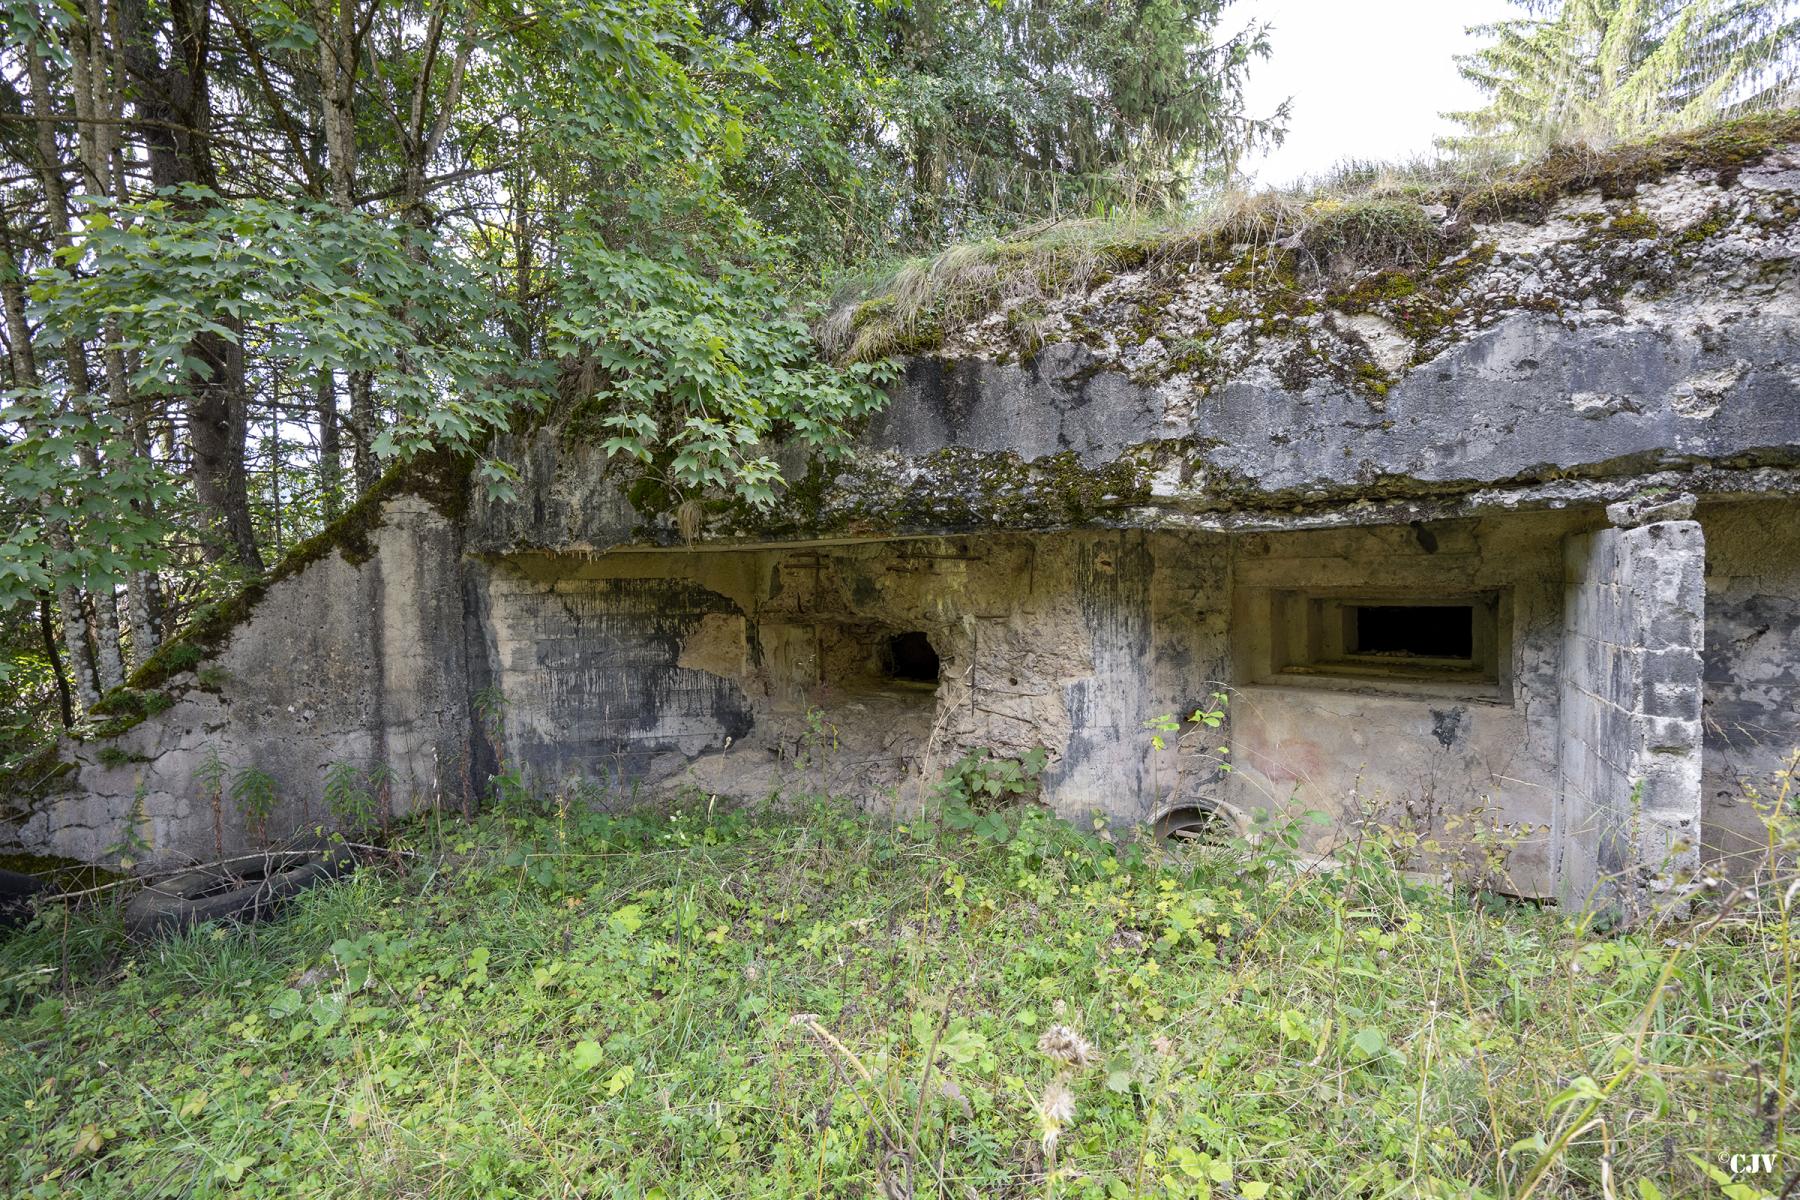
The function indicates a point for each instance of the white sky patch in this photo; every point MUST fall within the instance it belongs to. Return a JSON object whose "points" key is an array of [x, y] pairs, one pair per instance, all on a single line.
{"points": [[1368, 79]]}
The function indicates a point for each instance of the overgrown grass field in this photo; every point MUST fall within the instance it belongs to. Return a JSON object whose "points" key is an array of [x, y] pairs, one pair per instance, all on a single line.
{"points": [[724, 1004]]}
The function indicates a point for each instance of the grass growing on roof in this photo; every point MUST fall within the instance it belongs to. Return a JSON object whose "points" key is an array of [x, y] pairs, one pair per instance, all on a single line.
{"points": [[1368, 216], [720, 1004]]}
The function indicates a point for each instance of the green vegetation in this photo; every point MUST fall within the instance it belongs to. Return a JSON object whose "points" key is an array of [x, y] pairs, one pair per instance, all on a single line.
{"points": [[557, 1002], [1602, 71], [1725, 146], [1267, 247], [250, 259]]}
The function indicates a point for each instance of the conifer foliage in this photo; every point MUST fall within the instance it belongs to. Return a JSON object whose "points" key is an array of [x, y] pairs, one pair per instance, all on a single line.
{"points": [[1600, 71]]}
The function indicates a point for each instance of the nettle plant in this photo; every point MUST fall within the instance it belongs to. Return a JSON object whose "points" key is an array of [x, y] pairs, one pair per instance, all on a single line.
{"points": [[975, 787]]}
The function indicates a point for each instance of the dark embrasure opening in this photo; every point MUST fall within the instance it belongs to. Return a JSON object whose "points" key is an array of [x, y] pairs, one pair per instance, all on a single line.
{"points": [[910, 658], [1414, 631]]}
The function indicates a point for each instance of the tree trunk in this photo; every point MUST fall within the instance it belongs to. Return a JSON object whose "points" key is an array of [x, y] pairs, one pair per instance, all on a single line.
{"points": [[45, 629], [75, 634], [77, 385], [218, 422], [275, 462], [140, 609], [331, 463], [174, 118], [335, 24], [12, 310], [109, 663], [362, 430], [141, 602]]}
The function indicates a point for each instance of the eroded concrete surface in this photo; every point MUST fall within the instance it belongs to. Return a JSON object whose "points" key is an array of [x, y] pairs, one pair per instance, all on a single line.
{"points": [[1094, 539]]}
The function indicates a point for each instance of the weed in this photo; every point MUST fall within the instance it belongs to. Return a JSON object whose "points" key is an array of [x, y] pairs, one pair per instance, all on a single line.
{"points": [[348, 798], [210, 775], [709, 1002], [253, 793]]}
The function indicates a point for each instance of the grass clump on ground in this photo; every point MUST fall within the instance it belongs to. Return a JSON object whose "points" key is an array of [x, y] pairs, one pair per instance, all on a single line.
{"points": [[552, 1002]]}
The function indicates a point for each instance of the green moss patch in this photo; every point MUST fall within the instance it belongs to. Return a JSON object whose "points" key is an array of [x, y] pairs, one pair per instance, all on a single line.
{"points": [[959, 489], [439, 477], [127, 706], [1727, 147], [30, 777], [63, 874]]}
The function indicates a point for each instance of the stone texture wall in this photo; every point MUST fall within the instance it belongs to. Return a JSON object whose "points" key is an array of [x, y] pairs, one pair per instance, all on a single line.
{"points": [[1473, 772], [1752, 671], [753, 672], [1628, 822], [339, 663]]}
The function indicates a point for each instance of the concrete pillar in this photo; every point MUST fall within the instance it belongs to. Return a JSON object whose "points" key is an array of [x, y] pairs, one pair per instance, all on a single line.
{"points": [[1626, 828]]}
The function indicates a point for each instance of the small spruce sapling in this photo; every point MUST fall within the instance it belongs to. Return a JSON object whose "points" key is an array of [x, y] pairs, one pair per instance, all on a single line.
{"points": [[253, 792]]}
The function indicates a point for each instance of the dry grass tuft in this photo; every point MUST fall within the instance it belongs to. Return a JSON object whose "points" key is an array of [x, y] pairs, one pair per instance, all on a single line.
{"points": [[1363, 216]]}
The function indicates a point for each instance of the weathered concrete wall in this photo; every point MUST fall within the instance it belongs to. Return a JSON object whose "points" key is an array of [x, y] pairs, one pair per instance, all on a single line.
{"points": [[1629, 816], [1470, 767], [747, 673], [338, 663], [1752, 666], [1093, 531], [1557, 393], [590, 668]]}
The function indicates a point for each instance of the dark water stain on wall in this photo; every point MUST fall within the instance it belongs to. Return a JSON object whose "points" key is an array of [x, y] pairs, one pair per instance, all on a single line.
{"points": [[605, 697]]}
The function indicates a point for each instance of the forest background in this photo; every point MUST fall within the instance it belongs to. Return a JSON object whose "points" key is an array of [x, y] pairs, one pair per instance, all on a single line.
{"points": [[255, 252]]}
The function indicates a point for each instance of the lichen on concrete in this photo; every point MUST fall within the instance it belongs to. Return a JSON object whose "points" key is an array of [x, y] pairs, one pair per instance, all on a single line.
{"points": [[1574, 232], [958, 489]]}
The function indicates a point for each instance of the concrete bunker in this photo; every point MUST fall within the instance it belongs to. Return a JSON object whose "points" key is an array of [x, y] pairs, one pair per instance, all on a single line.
{"points": [[1351, 671], [1519, 577]]}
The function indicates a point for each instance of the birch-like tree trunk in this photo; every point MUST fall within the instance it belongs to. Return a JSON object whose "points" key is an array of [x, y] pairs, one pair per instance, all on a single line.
{"points": [[90, 667]]}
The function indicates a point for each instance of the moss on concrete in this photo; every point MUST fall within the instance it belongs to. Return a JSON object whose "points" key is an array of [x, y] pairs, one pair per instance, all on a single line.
{"points": [[127, 706], [63, 874], [1422, 302], [1392, 235], [957, 489], [1727, 147], [439, 477], [28, 778]]}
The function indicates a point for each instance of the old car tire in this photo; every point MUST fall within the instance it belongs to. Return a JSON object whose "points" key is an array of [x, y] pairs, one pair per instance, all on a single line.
{"points": [[1209, 824], [16, 891], [253, 892]]}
